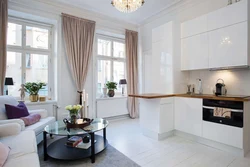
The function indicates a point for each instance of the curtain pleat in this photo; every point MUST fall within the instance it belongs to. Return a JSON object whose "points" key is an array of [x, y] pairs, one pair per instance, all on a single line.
{"points": [[3, 41], [79, 38], [132, 71]]}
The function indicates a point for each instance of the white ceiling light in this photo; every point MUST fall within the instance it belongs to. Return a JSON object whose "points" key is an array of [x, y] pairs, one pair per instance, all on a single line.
{"points": [[127, 6]]}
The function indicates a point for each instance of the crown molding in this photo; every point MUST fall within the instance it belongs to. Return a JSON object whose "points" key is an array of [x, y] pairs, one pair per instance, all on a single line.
{"points": [[83, 10], [175, 8], [55, 9]]}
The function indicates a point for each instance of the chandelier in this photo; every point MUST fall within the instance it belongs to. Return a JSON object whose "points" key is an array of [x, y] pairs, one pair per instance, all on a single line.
{"points": [[127, 6]]}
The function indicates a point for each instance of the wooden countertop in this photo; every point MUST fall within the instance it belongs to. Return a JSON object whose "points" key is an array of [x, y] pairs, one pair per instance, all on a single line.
{"points": [[202, 96]]}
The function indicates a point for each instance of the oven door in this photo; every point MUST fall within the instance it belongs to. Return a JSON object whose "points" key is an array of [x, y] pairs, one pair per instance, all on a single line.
{"points": [[236, 118]]}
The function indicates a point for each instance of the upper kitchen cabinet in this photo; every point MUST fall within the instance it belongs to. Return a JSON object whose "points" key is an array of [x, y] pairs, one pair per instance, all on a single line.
{"points": [[194, 27], [228, 46], [217, 40], [232, 14], [195, 52]]}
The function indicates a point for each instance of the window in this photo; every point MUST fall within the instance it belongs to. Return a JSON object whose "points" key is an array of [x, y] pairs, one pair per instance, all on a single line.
{"points": [[111, 62], [29, 54]]}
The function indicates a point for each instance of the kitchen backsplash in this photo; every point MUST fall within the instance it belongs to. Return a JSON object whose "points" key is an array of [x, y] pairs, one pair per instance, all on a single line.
{"points": [[237, 81]]}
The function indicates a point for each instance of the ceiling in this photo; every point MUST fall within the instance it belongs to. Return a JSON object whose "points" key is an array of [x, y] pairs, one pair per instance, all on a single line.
{"points": [[150, 8]]}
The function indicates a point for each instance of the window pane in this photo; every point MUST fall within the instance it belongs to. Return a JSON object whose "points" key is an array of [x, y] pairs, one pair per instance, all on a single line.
{"points": [[104, 47], [119, 73], [37, 37], [14, 70], [14, 34], [104, 71], [37, 70], [119, 49]]}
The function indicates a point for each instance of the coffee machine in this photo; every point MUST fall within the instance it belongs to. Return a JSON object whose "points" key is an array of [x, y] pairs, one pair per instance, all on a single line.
{"points": [[220, 88]]}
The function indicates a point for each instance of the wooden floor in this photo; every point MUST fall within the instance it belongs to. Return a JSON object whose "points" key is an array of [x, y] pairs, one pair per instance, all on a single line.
{"points": [[125, 135]]}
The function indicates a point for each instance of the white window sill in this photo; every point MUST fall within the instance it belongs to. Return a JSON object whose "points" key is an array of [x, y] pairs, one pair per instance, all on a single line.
{"points": [[41, 103], [112, 98]]}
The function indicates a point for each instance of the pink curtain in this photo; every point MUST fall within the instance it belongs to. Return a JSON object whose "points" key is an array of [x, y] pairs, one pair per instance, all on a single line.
{"points": [[79, 37], [3, 41], [132, 71]]}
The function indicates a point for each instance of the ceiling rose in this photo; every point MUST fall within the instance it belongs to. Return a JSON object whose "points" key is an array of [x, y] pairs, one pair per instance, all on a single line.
{"points": [[127, 6]]}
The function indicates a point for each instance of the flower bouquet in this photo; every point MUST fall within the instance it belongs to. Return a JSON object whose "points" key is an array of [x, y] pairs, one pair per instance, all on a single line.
{"points": [[73, 112]]}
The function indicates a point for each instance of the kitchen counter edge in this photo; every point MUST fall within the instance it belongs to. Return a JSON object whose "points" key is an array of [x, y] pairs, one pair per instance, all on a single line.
{"points": [[203, 96]]}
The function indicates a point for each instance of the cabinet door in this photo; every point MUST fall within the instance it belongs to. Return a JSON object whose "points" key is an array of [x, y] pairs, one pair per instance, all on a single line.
{"points": [[195, 52], [228, 46], [225, 134], [194, 27], [227, 16], [188, 115], [166, 116]]}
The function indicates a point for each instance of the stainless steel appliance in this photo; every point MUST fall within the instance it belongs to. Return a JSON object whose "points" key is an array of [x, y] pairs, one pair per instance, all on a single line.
{"points": [[234, 107], [220, 88]]}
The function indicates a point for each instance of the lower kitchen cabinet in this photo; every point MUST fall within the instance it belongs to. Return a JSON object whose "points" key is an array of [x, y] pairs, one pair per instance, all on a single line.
{"points": [[188, 115], [225, 134]]}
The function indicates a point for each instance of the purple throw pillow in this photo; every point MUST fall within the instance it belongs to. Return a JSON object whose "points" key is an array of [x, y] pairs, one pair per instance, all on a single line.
{"points": [[31, 119], [18, 111]]}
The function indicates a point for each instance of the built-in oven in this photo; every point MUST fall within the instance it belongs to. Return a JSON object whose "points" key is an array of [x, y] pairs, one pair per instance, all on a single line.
{"points": [[223, 112]]}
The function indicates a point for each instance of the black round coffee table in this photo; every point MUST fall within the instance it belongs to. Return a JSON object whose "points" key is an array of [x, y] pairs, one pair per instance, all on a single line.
{"points": [[58, 149]]}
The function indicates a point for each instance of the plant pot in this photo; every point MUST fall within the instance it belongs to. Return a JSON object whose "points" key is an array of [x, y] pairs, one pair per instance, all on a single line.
{"points": [[111, 93], [33, 98]]}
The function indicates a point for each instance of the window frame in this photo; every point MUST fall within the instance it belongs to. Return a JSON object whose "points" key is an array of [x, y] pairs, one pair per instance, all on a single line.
{"points": [[24, 50], [110, 58]]}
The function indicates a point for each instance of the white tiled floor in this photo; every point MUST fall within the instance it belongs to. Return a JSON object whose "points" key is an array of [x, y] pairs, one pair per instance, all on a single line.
{"points": [[125, 136]]}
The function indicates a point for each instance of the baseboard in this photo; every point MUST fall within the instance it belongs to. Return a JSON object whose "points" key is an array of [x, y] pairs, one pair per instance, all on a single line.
{"points": [[116, 118], [210, 143], [155, 135]]}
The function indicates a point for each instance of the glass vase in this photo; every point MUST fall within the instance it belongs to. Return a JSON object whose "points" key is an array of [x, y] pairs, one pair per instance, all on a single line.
{"points": [[74, 116]]}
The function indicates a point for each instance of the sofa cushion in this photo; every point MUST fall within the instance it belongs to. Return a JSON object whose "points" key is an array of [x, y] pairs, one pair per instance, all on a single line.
{"points": [[30, 159], [39, 126], [6, 100], [9, 121], [21, 144], [31, 119], [18, 111], [4, 152]]}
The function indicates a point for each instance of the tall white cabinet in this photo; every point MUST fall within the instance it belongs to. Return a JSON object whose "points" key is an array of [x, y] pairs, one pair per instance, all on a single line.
{"points": [[216, 40], [158, 67]]}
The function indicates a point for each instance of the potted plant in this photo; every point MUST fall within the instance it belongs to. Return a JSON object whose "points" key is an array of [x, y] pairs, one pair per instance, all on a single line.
{"points": [[111, 87], [73, 112], [33, 88]]}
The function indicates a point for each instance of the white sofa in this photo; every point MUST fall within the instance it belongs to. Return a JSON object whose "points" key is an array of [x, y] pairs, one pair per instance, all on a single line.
{"points": [[37, 127], [23, 147]]}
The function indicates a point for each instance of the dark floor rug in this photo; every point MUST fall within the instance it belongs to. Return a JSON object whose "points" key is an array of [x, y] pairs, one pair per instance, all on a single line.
{"points": [[110, 157]]}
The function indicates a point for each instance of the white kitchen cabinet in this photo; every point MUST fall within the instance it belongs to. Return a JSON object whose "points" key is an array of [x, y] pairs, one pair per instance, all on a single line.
{"points": [[228, 46], [225, 134], [216, 40], [157, 117], [166, 116], [160, 63], [194, 53], [188, 115], [194, 27], [227, 16]]}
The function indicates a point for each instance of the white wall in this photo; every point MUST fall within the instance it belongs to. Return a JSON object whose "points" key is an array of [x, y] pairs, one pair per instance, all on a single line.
{"points": [[237, 82], [47, 11]]}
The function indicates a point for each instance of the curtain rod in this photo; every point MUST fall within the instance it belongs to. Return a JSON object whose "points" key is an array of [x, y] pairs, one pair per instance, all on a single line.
{"points": [[75, 17]]}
